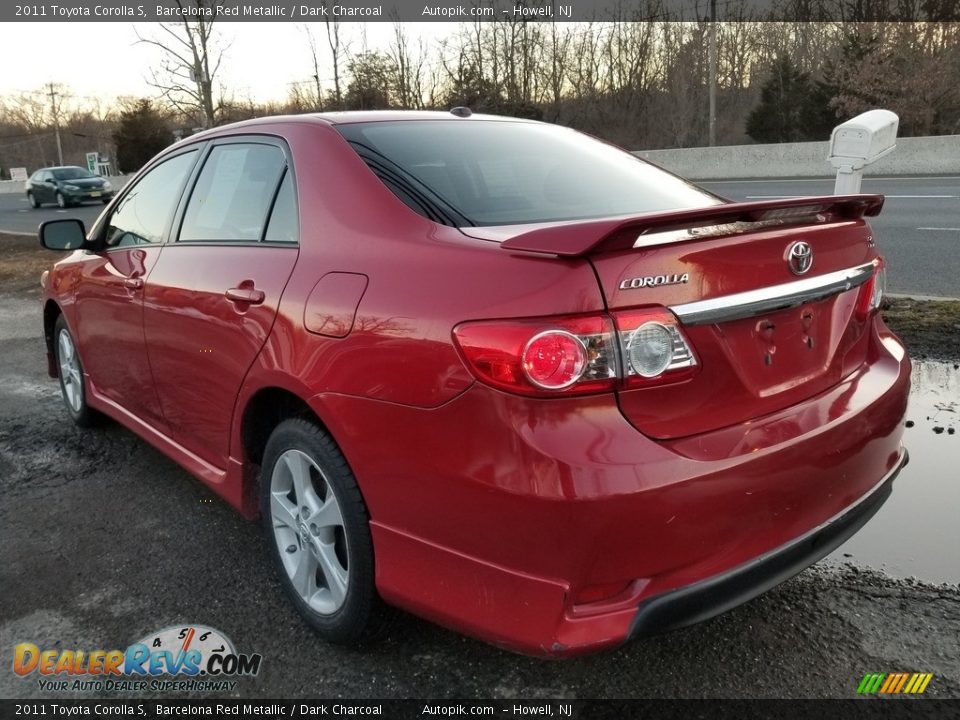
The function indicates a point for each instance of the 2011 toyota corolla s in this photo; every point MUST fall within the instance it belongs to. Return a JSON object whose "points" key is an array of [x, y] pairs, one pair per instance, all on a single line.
{"points": [[495, 372]]}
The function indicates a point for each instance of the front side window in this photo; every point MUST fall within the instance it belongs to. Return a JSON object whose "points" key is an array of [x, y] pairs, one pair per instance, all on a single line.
{"points": [[233, 193], [142, 214]]}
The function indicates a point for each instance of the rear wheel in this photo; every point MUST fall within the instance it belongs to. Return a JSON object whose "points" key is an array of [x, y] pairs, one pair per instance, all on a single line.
{"points": [[33, 200], [72, 386], [318, 531]]}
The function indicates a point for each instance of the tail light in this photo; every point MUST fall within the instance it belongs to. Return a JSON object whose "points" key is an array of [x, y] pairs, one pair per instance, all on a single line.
{"points": [[577, 354], [655, 350], [871, 292]]}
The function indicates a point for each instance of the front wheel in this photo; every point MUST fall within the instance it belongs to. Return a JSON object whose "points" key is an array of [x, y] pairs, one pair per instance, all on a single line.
{"points": [[61, 200], [72, 386], [318, 531]]}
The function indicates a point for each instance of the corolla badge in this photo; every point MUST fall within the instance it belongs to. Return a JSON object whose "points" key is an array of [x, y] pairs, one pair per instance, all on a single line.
{"points": [[799, 257], [653, 280]]}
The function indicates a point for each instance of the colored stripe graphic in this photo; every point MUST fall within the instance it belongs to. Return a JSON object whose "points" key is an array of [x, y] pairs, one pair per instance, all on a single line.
{"points": [[894, 683]]}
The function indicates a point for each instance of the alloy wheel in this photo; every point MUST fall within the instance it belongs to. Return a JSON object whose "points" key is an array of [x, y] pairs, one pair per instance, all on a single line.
{"points": [[308, 526], [70, 374]]}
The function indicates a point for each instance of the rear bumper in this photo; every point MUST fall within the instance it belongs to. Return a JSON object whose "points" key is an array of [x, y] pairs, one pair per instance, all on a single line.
{"points": [[553, 527], [708, 598]]}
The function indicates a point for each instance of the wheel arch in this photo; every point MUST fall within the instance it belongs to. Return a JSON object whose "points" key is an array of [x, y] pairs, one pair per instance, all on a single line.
{"points": [[257, 416], [51, 312], [263, 411]]}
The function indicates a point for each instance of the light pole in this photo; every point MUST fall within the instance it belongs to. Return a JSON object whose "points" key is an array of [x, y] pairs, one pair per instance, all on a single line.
{"points": [[712, 60], [56, 121]]}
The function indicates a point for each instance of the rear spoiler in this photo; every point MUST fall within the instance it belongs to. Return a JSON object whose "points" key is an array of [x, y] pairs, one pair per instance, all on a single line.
{"points": [[593, 236]]}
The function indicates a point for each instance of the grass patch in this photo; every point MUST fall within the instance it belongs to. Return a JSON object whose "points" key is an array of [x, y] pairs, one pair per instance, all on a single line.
{"points": [[929, 328], [22, 260]]}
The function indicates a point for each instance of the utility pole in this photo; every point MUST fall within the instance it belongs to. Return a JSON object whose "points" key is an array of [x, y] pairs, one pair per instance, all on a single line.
{"points": [[712, 60], [56, 121]]}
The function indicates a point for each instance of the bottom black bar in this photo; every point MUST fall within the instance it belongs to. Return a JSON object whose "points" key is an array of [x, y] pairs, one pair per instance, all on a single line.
{"points": [[866, 708]]}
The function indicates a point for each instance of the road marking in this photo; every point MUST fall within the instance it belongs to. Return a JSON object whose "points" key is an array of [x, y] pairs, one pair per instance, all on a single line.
{"points": [[941, 229], [824, 180], [899, 197]]}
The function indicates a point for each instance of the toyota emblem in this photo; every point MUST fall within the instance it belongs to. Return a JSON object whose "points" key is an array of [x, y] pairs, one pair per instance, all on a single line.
{"points": [[800, 257]]}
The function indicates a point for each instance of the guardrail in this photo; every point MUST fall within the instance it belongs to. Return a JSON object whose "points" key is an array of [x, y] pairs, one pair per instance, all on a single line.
{"points": [[938, 155], [913, 156]]}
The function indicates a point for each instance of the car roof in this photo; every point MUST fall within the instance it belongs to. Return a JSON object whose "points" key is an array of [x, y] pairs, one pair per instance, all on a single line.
{"points": [[62, 167], [351, 116]]}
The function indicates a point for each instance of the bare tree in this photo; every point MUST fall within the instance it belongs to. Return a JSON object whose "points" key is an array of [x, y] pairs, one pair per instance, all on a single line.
{"points": [[408, 68], [338, 52], [317, 102], [191, 59]]}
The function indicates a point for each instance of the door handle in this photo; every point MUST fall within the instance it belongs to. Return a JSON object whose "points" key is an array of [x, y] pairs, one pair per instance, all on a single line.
{"points": [[246, 295], [133, 283]]}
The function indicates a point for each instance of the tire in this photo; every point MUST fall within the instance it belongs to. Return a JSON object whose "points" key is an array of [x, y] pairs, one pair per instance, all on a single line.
{"points": [[318, 532], [72, 385], [33, 200], [61, 200]]}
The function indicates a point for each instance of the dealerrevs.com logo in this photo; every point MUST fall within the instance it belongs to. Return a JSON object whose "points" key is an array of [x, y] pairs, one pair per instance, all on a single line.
{"points": [[180, 658]]}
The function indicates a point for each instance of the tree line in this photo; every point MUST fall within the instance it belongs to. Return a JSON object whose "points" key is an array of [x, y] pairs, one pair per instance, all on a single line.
{"points": [[638, 83]]}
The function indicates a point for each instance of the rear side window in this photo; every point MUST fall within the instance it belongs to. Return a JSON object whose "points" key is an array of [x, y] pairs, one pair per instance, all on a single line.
{"points": [[144, 211], [503, 173], [283, 225], [233, 194]]}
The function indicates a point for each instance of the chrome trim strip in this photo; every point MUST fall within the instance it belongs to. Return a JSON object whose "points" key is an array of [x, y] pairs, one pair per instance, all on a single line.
{"points": [[765, 300]]}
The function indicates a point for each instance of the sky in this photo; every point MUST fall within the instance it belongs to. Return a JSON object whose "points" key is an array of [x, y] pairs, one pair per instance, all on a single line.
{"points": [[104, 60]]}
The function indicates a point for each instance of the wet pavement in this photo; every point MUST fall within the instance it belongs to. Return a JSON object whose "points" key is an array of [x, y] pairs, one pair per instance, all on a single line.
{"points": [[917, 532]]}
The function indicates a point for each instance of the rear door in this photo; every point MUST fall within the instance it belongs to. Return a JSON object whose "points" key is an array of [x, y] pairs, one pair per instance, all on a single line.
{"points": [[212, 297]]}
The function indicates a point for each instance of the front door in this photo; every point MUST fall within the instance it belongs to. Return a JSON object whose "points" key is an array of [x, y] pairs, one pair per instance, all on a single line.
{"points": [[109, 301]]}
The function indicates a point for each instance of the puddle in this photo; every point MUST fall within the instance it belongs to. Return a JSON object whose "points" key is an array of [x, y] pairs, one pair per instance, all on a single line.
{"points": [[917, 532]]}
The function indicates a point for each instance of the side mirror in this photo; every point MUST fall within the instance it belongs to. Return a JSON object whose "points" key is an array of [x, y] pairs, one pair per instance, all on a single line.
{"points": [[50, 181], [63, 234]]}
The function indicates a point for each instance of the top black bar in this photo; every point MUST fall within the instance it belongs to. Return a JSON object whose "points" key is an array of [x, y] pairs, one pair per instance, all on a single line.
{"points": [[471, 11]]}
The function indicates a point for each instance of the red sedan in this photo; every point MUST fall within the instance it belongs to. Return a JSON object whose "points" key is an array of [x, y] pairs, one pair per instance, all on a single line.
{"points": [[494, 372]]}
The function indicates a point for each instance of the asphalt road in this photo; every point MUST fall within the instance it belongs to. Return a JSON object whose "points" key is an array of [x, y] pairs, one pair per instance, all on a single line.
{"points": [[16, 215], [103, 540], [918, 230]]}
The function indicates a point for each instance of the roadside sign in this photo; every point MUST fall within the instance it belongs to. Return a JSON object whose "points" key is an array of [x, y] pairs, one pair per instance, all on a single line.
{"points": [[18, 174], [92, 162]]}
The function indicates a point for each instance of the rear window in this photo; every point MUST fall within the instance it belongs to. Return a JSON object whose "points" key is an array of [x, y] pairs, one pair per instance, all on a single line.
{"points": [[505, 173]]}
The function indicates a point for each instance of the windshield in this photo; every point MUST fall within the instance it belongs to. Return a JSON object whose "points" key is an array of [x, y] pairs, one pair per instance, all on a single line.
{"points": [[505, 173], [71, 173]]}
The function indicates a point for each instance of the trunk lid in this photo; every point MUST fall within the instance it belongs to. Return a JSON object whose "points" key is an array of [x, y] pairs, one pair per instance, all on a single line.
{"points": [[765, 334]]}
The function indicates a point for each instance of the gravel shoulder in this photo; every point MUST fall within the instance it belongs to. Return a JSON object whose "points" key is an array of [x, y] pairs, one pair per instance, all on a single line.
{"points": [[103, 540]]}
